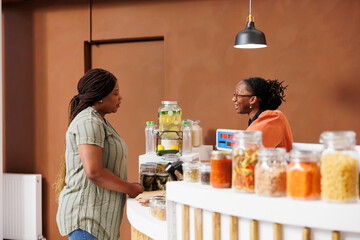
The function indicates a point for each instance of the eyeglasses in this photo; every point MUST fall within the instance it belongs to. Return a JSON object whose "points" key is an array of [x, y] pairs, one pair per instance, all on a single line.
{"points": [[240, 95]]}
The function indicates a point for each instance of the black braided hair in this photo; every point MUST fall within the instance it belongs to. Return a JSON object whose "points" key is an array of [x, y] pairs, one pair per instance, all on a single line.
{"points": [[270, 92], [93, 86]]}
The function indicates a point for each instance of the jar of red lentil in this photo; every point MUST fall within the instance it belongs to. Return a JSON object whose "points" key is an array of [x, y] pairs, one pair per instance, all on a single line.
{"points": [[220, 173], [303, 175], [244, 157], [270, 172], [339, 167]]}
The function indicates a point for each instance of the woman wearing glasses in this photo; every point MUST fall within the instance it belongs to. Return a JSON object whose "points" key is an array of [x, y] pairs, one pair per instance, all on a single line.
{"points": [[260, 99]]}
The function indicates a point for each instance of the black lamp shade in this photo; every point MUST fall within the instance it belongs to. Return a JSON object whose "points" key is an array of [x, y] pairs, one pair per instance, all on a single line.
{"points": [[250, 37]]}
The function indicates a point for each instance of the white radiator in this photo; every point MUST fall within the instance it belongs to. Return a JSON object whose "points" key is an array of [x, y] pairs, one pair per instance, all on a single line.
{"points": [[22, 206]]}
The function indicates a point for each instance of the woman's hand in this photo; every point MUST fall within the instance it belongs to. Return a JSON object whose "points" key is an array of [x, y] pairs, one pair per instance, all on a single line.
{"points": [[135, 189]]}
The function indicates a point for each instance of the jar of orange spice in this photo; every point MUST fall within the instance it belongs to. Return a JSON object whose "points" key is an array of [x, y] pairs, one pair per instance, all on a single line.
{"points": [[221, 167], [303, 175]]}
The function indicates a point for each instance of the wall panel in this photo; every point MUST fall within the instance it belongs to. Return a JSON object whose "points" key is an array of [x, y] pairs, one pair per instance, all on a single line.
{"points": [[313, 46]]}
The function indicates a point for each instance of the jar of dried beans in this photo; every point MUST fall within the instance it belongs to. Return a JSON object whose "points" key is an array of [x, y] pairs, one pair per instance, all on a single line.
{"points": [[303, 175], [270, 172], [339, 167], [220, 174], [244, 157]]}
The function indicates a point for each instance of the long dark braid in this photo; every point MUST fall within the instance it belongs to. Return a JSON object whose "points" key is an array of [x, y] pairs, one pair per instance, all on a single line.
{"points": [[270, 92]]}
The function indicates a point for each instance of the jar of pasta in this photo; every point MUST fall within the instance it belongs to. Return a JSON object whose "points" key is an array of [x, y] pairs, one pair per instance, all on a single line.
{"points": [[303, 175], [339, 167], [270, 172], [220, 174], [191, 171], [245, 158]]}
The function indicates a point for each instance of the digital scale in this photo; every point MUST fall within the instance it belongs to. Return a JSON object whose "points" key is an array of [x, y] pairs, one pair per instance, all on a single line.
{"points": [[225, 139]]}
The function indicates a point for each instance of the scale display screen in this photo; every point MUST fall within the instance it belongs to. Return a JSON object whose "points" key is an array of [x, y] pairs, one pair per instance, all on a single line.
{"points": [[225, 139]]}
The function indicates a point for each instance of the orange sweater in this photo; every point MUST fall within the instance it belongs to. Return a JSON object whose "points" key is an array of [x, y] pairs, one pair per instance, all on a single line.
{"points": [[276, 131]]}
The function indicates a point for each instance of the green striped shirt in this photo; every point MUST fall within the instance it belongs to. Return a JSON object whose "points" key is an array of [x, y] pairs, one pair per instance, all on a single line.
{"points": [[83, 204]]}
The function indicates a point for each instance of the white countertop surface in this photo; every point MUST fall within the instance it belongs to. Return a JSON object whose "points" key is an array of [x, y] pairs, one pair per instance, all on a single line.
{"points": [[141, 219], [310, 213]]}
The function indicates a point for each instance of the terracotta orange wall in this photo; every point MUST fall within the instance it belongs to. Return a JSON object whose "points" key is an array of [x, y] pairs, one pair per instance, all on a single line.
{"points": [[314, 46]]}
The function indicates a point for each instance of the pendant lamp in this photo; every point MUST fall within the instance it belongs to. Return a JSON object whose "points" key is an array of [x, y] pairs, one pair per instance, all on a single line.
{"points": [[250, 37]]}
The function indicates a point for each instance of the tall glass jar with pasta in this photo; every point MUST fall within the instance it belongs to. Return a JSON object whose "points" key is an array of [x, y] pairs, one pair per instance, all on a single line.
{"points": [[339, 167], [245, 158]]}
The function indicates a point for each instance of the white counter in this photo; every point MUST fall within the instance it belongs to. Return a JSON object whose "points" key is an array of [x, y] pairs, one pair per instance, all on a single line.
{"points": [[283, 210], [141, 219], [321, 218]]}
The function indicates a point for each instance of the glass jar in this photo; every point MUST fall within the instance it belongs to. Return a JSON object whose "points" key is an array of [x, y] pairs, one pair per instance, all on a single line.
{"points": [[205, 173], [160, 181], [169, 135], [152, 203], [146, 167], [191, 171], [220, 176], [148, 181], [169, 116], [303, 175], [270, 172], [196, 132], [244, 156], [161, 210], [339, 167]]}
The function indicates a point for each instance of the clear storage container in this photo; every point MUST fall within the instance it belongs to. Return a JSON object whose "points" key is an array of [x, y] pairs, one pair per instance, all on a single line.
{"points": [[169, 116], [150, 137], [270, 172], [148, 181], [153, 204], [161, 210], [205, 173], [245, 158], [196, 131], [169, 137], [303, 175], [146, 167], [160, 181], [191, 171], [220, 175], [339, 167]]}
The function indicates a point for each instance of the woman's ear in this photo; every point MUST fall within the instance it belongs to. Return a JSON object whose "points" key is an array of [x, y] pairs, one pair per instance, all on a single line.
{"points": [[253, 99]]}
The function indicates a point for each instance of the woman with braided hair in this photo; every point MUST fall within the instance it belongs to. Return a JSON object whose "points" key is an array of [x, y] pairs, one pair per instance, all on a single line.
{"points": [[260, 99], [92, 180]]}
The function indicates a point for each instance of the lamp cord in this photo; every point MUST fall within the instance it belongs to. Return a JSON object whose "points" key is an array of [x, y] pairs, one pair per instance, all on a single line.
{"points": [[250, 7]]}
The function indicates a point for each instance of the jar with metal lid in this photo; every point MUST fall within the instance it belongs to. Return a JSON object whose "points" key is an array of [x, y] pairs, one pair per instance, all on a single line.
{"points": [[339, 167], [270, 172], [245, 158], [146, 167], [303, 175], [161, 209], [220, 175], [191, 171], [205, 173], [152, 203]]}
